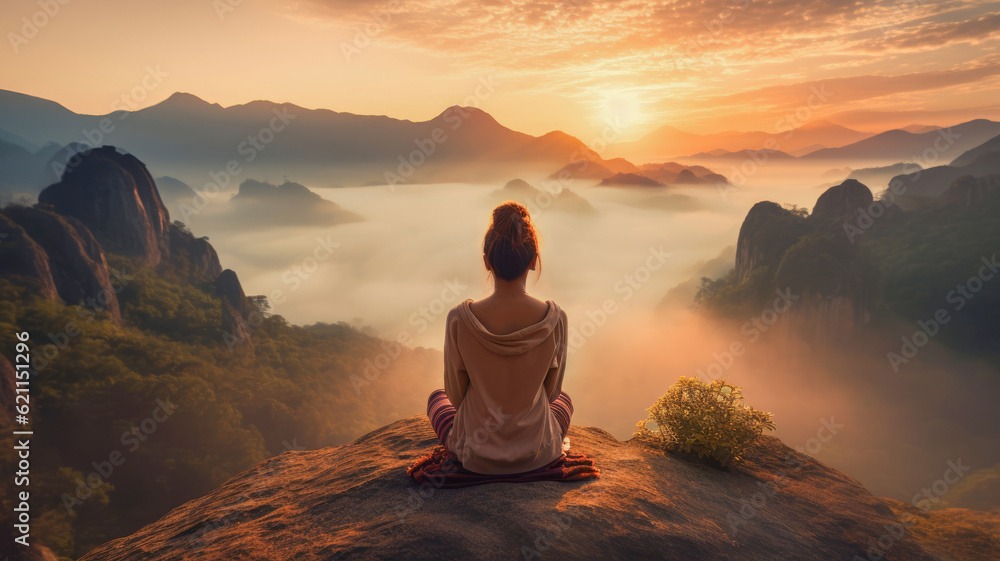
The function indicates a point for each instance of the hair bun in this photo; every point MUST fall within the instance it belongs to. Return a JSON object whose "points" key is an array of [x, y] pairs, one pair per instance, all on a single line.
{"points": [[511, 241]]}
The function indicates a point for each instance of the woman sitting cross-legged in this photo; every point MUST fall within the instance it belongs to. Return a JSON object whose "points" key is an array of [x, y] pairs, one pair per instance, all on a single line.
{"points": [[502, 409]]}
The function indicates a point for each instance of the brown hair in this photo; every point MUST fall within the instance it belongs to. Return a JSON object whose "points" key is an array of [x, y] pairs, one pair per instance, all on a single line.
{"points": [[511, 241]]}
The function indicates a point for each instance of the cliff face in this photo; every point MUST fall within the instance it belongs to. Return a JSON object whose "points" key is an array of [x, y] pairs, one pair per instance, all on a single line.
{"points": [[78, 265], [23, 258], [106, 201], [813, 258], [356, 502], [199, 254], [114, 196], [237, 312], [767, 231]]}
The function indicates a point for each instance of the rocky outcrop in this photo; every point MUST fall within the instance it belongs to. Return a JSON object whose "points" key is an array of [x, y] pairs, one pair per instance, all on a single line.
{"points": [[228, 287], [972, 191], [687, 177], [536, 200], [813, 259], [21, 257], [842, 200], [356, 502], [79, 268], [238, 313], [114, 196], [767, 231], [195, 253], [629, 180], [259, 203]]}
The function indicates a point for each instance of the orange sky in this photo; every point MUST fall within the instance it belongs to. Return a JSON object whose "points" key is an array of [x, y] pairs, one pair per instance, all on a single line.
{"points": [[556, 64]]}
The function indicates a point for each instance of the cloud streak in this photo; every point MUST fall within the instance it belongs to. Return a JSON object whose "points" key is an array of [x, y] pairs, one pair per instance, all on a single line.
{"points": [[691, 54]]}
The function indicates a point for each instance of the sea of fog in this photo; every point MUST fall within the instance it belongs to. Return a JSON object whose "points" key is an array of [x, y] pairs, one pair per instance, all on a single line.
{"points": [[419, 252]]}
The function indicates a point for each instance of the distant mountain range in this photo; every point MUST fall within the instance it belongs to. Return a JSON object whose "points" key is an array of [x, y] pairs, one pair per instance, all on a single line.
{"points": [[668, 142], [212, 147], [188, 138], [926, 148], [982, 161], [817, 140]]}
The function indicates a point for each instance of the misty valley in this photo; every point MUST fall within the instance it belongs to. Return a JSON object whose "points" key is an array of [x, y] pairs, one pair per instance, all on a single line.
{"points": [[289, 292]]}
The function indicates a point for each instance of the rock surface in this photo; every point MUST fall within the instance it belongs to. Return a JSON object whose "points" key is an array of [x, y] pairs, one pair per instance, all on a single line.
{"points": [[78, 265], [842, 200], [200, 254], [356, 502], [958, 534], [22, 257], [237, 312], [116, 198], [767, 231]]}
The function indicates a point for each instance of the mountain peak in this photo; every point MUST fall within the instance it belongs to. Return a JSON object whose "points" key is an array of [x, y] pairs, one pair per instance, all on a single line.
{"points": [[184, 100], [466, 113], [819, 124], [355, 502]]}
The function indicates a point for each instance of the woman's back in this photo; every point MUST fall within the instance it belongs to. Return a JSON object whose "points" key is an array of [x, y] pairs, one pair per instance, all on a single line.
{"points": [[502, 385], [502, 409], [507, 315]]}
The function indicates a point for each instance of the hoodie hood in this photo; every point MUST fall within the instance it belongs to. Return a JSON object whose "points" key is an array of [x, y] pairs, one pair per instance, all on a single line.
{"points": [[518, 342]]}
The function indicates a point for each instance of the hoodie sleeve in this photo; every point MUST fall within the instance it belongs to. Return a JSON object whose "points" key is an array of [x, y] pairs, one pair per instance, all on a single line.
{"points": [[456, 378], [554, 377]]}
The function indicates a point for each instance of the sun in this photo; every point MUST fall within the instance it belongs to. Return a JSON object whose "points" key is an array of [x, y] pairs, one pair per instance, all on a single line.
{"points": [[621, 109]]}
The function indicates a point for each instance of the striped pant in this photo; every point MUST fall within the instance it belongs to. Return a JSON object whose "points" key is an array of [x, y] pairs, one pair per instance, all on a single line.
{"points": [[442, 413]]}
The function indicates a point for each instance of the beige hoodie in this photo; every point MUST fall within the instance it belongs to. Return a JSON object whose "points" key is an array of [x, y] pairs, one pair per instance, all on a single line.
{"points": [[502, 386]]}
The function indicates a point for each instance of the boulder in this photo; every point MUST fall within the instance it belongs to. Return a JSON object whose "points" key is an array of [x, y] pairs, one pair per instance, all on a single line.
{"points": [[114, 196], [22, 257], [842, 201], [78, 265]]}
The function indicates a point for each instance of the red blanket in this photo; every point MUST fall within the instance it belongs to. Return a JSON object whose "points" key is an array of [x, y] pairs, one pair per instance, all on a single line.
{"points": [[442, 469]]}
